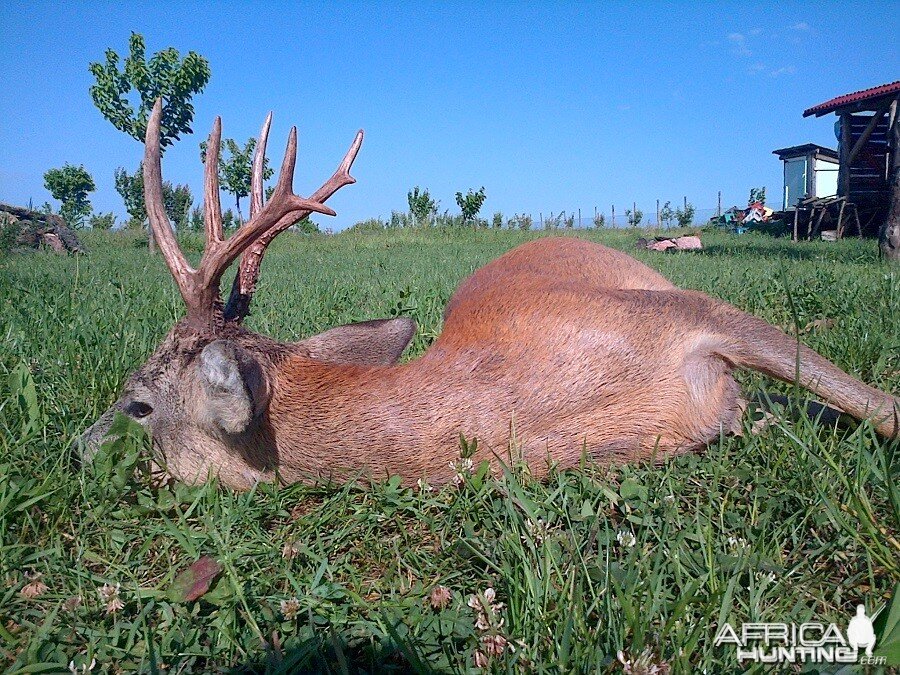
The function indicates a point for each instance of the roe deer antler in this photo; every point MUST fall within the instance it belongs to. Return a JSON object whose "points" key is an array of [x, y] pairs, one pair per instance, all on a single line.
{"points": [[200, 287], [244, 285]]}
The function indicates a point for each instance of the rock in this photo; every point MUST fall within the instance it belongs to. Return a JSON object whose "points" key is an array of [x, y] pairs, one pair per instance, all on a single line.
{"points": [[54, 242], [688, 243], [37, 229]]}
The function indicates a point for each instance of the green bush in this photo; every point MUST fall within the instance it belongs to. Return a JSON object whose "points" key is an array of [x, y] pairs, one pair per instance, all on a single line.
{"points": [[421, 206], [370, 225], [102, 221]]}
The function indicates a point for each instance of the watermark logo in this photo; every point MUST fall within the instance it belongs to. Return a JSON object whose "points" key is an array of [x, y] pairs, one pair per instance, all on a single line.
{"points": [[812, 642]]}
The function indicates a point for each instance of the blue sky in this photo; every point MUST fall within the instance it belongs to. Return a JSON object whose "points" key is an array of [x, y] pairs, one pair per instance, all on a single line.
{"points": [[550, 106]]}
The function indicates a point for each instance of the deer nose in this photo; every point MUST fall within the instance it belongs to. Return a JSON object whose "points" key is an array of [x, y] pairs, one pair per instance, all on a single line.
{"points": [[87, 445]]}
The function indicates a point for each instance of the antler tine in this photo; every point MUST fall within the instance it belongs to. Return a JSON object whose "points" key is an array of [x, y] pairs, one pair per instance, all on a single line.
{"points": [[242, 289], [212, 216], [259, 167], [342, 174], [156, 210], [283, 202], [285, 184]]}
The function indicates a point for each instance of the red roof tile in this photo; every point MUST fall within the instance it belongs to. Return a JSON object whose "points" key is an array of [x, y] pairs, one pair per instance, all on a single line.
{"points": [[855, 97]]}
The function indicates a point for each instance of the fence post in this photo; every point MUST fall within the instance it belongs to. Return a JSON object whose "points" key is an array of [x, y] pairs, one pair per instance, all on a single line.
{"points": [[579, 218], [613, 223], [719, 209], [657, 215]]}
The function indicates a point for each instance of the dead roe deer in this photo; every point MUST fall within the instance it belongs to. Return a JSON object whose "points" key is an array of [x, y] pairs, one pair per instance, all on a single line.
{"points": [[570, 346]]}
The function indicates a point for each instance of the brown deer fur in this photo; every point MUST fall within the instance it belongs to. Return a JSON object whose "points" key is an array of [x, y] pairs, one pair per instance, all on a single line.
{"points": [[558, 348]]}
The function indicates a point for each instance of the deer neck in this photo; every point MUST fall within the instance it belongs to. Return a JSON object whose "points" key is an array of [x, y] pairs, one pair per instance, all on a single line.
{"points": [[338, 420]]}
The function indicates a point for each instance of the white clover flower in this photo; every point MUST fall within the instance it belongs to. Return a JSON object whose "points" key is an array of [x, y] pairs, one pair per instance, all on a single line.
{"points": [[440, 597], [110, 595], [537, 530], [290, 608], [735, 543], [626, 538], [494, 645], [462, 468], [35, 587], [481, 661], [290, 550], [84, 669], [643, 664], [487, 609]]}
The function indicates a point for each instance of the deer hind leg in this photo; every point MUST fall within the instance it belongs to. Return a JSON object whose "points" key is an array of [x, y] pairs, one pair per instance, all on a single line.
{"points": [[714, 403]]}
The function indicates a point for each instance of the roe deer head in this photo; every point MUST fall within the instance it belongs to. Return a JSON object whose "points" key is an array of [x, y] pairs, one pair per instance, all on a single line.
{"points": [[557, 348]]}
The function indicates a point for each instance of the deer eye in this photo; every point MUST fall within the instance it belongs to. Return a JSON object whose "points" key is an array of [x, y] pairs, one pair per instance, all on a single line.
{"points": [[138, 409]]}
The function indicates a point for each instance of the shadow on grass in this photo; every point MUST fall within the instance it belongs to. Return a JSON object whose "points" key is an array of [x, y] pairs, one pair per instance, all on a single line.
{"points": [[332, 653]]}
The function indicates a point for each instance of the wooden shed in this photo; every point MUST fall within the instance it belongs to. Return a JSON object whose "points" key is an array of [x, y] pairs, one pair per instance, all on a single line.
{"points": [[810, 170], [868, 152]]}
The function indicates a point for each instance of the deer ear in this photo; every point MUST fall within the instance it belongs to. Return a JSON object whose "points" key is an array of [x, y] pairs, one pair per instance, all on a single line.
{"points": [[233, 385], [379, 342]]}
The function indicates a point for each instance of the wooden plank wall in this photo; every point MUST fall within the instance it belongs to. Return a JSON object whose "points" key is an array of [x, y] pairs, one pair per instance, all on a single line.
{"points": [[869, 172]]}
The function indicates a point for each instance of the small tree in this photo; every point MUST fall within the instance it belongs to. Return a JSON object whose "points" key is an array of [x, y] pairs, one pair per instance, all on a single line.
{"points": [[685, 217], [666, 214], [102, 221], [634, 218], [523, 222], [421, 206], [196, 220], [470, 204], [757, 195], [569, 221], [306, 226], [497, 221], [229, 221], [236, 169], [165, 75], [599, 221], [131, 189], [182, 199], [71, 185]]}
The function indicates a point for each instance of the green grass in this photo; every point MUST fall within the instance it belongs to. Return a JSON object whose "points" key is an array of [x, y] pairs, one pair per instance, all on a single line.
{"points": [[794, 524]]}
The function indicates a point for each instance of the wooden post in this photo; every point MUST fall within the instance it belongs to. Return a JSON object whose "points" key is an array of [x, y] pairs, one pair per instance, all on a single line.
{"points": [[579, 218], [889, 233], [657, 215], [818, 226], [634, 213], [796, 218], [844, 157], [840, 223], [541, 214], [719, 208], [811, 174], [613, 222]]}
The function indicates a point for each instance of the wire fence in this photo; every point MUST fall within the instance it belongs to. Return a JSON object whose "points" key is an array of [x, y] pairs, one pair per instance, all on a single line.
{"points": [[611, 217]]}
